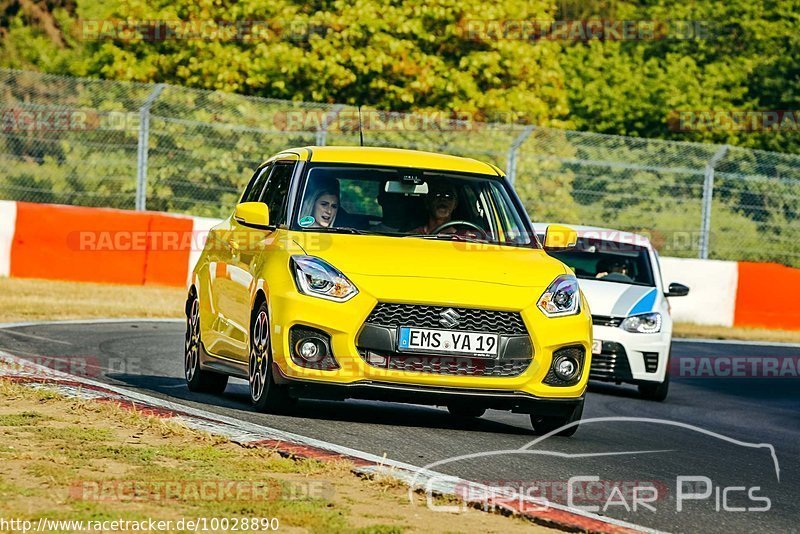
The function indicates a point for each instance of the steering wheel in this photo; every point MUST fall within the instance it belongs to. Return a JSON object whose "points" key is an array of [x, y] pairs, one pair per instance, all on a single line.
{"points": [[484, 236]]}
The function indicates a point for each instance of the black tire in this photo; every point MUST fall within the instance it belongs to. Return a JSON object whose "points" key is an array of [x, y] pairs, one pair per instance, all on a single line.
{"points": [[465, 410], [544, 424], [197, 379], [265, 395], [655, 391]]}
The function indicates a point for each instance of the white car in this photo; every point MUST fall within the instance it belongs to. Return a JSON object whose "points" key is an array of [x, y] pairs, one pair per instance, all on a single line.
{"points": [[620, 275]]}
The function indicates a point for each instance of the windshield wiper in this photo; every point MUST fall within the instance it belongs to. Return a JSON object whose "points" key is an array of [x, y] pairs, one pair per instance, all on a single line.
{"points": [[450, 237], [338, 230]]}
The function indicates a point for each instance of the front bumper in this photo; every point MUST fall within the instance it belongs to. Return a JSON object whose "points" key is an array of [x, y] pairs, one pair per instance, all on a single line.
{"points": [[509, 400], [344, 322], [630, 357]]}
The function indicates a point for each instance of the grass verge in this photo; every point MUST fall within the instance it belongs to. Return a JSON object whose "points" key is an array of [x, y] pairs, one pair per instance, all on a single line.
{"points": [[80, 460], [24, 299]]}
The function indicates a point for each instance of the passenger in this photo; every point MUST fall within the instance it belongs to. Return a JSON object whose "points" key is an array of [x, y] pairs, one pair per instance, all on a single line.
{"points": [[440, 203], [320, 206]]}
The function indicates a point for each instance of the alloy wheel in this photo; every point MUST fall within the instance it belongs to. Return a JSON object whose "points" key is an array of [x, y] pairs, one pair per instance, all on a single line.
{"points": [[192, 343], [259, 345]]}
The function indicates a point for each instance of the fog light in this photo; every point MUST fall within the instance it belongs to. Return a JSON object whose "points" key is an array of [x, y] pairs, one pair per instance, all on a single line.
{"points": [[308, 350], [311, 350], [566, 368]]}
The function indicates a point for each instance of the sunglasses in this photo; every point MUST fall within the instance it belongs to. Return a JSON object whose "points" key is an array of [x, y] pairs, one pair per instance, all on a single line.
{"points": [[444, 195]]}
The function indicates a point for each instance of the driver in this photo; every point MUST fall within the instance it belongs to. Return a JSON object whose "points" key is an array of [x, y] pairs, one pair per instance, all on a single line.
{"points": [[440, 203], [614, 270]]}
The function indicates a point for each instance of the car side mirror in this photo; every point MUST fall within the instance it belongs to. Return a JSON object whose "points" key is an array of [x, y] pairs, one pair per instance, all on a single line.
{"points": [[252, 214], [677, 290], [559, 237]]}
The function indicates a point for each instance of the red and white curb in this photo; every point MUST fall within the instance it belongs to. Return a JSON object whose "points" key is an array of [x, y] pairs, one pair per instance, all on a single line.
{"points": [[254, 435]]}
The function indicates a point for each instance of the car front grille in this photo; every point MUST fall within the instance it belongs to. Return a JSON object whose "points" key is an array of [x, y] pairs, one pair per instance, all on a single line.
{"points": [[470, 319], [446, 365], [605, 320], [612, 364]]}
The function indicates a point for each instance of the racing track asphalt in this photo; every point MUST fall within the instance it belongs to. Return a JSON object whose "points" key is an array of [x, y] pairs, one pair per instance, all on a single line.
{"points": [[147, 356]]}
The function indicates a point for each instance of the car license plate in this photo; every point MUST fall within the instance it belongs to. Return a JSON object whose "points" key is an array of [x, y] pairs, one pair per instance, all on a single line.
{"points": [[446, 341], [597, 346]]}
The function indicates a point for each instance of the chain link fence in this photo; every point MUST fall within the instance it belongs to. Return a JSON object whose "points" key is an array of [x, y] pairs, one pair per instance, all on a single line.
{"points": [[160, 147]]}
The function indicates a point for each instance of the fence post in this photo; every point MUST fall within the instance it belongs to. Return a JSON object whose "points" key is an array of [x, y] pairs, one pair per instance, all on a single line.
{"points": [[708, 194], [142, 149], [511, 164], [322, 133]]}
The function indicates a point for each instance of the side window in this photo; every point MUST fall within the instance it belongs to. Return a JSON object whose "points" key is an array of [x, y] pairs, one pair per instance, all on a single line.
{"points": [[256, 185], [276, 194], [514, 228]]}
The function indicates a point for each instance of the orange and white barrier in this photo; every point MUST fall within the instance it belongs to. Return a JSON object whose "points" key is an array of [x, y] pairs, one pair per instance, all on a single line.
{"points": [[768, 295], [125, 247], [731, 293], [8, 219], [712, 290], [97, 244]]}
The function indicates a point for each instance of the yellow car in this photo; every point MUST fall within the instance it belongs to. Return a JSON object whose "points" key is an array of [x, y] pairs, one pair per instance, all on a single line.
{"points": [[376, 273]]}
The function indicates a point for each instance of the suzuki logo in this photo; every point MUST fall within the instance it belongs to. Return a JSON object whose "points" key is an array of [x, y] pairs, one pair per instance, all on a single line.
{"points": [[449, 318]]}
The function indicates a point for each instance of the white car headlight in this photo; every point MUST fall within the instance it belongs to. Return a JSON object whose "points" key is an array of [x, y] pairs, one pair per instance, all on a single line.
{"points": [[646, 323], [562, 297], [318, 278]]}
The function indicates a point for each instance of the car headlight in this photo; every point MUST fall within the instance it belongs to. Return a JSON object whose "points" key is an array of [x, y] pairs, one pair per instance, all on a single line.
{"points": [[646, 323], [561, 297], [318, 278]]}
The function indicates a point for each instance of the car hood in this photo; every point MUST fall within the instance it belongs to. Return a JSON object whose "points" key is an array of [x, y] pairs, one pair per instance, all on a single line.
{"points": [[617, 299], [427, 258]]}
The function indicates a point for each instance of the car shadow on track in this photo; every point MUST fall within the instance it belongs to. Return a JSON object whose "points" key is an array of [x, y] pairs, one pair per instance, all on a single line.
{"points": [[236, 399]]}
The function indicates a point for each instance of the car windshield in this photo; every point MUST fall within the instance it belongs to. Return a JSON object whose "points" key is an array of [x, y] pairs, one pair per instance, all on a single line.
{"points": [[405, 202], [609, 261]]}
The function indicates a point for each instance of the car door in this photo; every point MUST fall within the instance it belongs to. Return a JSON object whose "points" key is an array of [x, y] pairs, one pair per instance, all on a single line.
{"points": [[248, 254], [227, 333]]}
